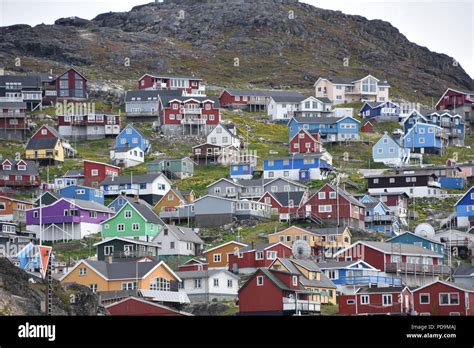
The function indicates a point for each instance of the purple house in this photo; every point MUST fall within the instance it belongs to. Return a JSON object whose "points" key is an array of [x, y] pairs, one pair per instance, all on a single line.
{"points": [[67, 219]]}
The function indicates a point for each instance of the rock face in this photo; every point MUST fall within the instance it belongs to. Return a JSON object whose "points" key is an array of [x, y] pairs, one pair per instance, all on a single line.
{"points": [[242, 43], [18, 296]]}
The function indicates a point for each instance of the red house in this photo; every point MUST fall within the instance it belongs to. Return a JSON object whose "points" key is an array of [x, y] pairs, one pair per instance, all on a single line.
{"points": [[19, 174], [193, 265], [335, 206], [376, 301], [414, 264], [189, 115], [133, 306], [254, 256], [304, 142], [443, 298], [70, 86], [368, 127], [96, 172], [189, 85], [460, 102], [234, 98], [286, 204], [272, 292]]}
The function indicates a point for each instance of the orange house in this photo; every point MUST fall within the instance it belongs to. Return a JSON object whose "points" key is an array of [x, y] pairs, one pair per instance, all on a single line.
{"points": [[174, 199], [217, 257], [14, 209], [105, 276]]}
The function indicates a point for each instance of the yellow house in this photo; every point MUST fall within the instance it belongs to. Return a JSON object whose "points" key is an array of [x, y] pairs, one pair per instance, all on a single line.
{"points": [[45, 145], [174, 199], [218, 257], [105, 276], [311, 278], [332, 237]]}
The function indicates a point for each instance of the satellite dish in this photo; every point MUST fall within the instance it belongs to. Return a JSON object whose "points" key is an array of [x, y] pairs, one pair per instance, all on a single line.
{"points": [[301, 250], [425, 230]]}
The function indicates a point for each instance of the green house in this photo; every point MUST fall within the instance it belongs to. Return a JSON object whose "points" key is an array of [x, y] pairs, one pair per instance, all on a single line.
{"points": [[173, 168], [135, 219]]}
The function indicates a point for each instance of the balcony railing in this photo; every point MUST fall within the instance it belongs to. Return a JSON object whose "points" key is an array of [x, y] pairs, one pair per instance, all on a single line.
{"points": [[290, 304], [193, 121], [374, 218], [371, 279], [412, 268]]}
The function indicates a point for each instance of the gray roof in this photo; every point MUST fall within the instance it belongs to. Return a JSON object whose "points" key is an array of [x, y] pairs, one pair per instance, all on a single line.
{"points": [[122, 270], [127, 179], [324, 281], [74, 173], [203, 273], [144, 209], [166, 99], [395, 248], [464, 269], [184, 234], [256, 247], [296, 156], [29, 81], [328, 230], [145, 95], [262, 93], [91, 205], [324, 100], [130, 240], [335, 264], [13, 105], [289, 99], [322, 119], [31, 168], [42, 143], [284, 197]]}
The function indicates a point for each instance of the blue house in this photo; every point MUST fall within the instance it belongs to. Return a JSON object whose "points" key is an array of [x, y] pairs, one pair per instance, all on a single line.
{"points": [[415, 239], [465, 209], [453, 124], [414, 117], [130, 137], [82, 192], [389, 152], [385, 111], [379, 217], [241, 171], [425, 138], [297, 167], [332, 129], [347, 274]]}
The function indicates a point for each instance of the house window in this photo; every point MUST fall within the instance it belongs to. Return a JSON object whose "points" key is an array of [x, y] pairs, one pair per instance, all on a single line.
{"points": [[229, 283], [294, 280], [387, 299], [259, 255], [332, 195], [120, 227], [424, 298], [94, 172], [93, 287], [128, 214], [322, 195], [217, 258], [82, 271], [136, 227], [216, 282], [171, 245], [365, 299], [129, 286], [108, 250], [93, 214], [197, 283], [160, 284], [259, 281], [271, 255], [332, 274], [447, 299], [35, 213]]}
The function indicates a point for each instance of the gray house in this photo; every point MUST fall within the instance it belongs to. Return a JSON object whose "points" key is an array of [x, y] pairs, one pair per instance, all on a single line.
{"points": [[253, 188], [464, 275], [213, 211], [178, 240], [124, 248], [145, 104]]}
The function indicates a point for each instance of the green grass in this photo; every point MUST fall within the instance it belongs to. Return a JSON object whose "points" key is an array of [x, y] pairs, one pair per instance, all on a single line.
{"points": [[329, 309], [76, 249]]}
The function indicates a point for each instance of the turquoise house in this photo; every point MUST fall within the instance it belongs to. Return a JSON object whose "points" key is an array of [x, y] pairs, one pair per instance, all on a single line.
{"points": [[173, 168], [415, 239]]}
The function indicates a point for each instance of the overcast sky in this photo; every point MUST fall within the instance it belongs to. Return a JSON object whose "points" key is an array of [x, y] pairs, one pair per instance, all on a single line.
{"points": [[442, 26]]}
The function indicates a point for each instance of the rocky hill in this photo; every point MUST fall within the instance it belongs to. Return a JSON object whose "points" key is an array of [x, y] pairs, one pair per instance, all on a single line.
{"points": [[270, 43], [20, 296]]}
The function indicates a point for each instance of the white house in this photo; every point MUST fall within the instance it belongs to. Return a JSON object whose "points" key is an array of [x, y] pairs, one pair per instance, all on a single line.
{"points": [[206, 285], [177, 240], [283, 108], [224, 135], [124, 157]]}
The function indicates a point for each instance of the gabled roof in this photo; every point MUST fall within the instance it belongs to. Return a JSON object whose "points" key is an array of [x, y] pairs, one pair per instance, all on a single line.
{"points": [[165, 76], [307, 133], [31, 168], [299, 228], [464, 270], [343, 264], [458, 286], [416, 235], [137, 179], [42, 143], [454, 90], [205, 273], [223, 245], [393, 248], [142, 207], [288, 99], [184, 234], [148, 303], [471, 190], [89, 205], [381, 290], [283, 198], [290, 265], [261, 247], [128, 240], [343, 193]]}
